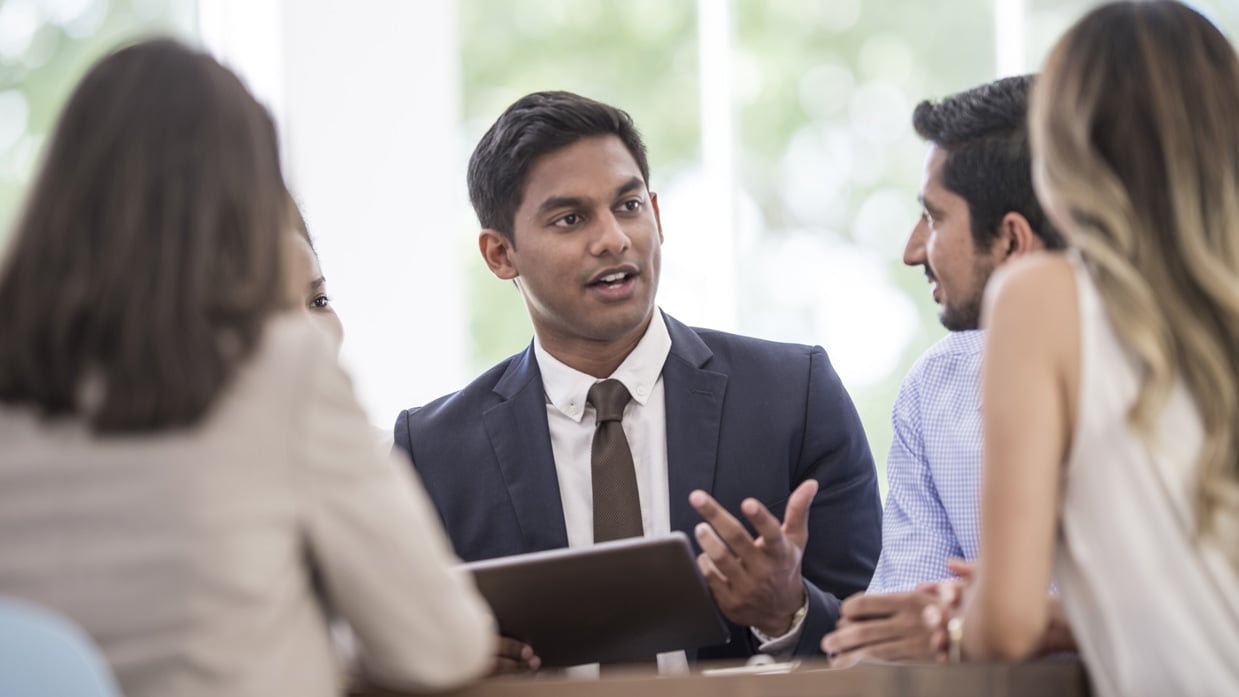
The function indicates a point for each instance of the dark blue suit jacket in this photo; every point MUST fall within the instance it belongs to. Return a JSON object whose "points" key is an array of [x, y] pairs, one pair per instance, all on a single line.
{"points": [[745, 417]]}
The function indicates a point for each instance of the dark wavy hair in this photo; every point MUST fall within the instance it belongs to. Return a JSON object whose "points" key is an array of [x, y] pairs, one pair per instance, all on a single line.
{"points": [[149, 252], [984, 132], [535, 125]]}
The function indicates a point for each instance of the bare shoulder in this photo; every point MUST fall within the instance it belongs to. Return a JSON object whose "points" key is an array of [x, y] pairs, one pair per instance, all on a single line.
{"points": [[1031, 310], [1036, 288]]}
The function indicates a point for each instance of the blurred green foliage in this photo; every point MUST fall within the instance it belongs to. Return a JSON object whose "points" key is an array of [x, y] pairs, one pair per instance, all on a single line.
{"points": [[642, 57], [917, 49], [44, 52], [800, 68], [845, 72]]}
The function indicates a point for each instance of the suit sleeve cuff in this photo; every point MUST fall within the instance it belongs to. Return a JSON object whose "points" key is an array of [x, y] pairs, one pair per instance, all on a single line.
{"points": [[783, 646]]}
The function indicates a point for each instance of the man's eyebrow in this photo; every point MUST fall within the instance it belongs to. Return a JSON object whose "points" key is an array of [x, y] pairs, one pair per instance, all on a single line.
{"points": [[556, 202], [630, 186], [928, 206], [318, 283]]}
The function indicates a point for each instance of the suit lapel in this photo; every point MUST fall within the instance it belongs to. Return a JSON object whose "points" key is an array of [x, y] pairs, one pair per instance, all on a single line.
{"points": [[694, 404], [522, 443]]}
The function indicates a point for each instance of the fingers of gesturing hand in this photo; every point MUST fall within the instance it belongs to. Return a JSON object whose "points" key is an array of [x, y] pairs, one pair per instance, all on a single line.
{"points": [[796, 517], [716, 581], [725, 525], [756, 582], [775, 540], [718, 552], [770, 531]]}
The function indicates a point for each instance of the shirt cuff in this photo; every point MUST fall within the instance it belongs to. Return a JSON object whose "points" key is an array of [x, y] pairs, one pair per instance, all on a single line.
{"points": [[784, 646]]}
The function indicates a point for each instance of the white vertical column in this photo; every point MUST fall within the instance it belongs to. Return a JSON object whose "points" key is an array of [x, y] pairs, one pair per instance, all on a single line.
{"points": [[1011, 37], [247, 36], [711, 241], [370, 114]]}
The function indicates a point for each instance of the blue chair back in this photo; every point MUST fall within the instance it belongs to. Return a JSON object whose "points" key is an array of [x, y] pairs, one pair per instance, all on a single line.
{"points": [[44, 655]]}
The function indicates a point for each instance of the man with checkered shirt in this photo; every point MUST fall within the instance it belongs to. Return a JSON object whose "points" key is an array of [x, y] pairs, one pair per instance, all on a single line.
{"points": [[979, 211]]}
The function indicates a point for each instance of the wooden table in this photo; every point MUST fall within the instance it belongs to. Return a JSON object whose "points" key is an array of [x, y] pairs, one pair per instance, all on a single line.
{"points": [[1052, 678]]}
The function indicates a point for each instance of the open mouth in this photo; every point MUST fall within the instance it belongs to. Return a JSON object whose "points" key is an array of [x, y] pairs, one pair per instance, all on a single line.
{"points": [[614, 280], [933, 283], [614, 285]]}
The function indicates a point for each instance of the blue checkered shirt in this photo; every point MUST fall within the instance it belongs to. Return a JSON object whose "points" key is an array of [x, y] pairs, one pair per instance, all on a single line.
{"points": [[934, 467]]}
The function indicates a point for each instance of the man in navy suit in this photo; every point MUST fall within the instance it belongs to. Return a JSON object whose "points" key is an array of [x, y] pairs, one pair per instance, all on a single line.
{"points": [[716, 428]]}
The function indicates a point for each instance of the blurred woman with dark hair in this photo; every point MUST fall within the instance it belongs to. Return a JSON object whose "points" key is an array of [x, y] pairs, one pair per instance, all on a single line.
{"points": [[185, 470], [309, 283]]}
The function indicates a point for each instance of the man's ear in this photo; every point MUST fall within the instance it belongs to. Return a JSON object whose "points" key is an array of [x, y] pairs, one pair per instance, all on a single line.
{"points": [[1015, 237], [497, 250], [657, 218]]}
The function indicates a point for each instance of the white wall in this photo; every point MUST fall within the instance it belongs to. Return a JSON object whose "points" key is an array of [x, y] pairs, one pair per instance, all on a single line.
{"points": [[367, 94]]}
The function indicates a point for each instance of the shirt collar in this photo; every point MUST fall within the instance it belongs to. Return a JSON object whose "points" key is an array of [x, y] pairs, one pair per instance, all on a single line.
{"points": [[967, 341], [566, 387]]}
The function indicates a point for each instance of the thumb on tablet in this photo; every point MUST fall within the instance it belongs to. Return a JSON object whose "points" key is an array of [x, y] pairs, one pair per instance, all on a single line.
{"points": [[514, 656]]}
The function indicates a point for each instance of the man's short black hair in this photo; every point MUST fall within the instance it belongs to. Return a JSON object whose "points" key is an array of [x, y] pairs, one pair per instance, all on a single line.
{"points": [[984, 132], [538, 124]]}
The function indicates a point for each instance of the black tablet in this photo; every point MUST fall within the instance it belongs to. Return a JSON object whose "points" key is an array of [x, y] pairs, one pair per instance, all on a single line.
{"points": [[612, 602]]}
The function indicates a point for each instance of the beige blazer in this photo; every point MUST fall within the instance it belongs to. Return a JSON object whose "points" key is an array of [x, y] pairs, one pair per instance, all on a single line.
{"points": [[193, 557]]}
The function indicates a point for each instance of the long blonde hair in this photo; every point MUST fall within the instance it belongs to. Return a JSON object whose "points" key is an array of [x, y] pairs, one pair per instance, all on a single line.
{"points": [[1135, 134]]}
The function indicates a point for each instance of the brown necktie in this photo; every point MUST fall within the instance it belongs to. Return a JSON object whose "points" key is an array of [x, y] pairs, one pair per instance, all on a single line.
{"points": [[617, 505]]}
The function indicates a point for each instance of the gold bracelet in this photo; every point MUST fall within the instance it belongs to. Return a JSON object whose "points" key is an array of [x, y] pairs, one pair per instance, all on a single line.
{"points": [[955, 637]]}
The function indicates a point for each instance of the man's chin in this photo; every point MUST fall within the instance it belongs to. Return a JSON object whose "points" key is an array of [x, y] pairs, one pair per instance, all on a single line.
{"points": [[620, 325], [958, 322]]}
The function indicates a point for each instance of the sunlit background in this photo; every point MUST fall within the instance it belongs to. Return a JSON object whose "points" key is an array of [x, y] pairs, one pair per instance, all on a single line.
{"points": [[779, 136]]}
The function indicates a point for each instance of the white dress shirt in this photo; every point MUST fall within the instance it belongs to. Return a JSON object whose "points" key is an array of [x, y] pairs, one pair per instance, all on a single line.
{"points": [[572, 420]]}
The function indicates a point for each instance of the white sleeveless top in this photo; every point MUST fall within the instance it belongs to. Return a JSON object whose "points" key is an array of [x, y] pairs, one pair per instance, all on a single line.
{"points": [[1154, 610]]}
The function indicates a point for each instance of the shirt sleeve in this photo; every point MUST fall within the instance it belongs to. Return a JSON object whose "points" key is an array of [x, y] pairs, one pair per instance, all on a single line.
{"points": [[917, 537], [384, 560], [783, 647]]}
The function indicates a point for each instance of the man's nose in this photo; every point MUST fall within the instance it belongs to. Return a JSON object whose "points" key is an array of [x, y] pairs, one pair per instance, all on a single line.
{"points": [[611, 237], [914, 251]]}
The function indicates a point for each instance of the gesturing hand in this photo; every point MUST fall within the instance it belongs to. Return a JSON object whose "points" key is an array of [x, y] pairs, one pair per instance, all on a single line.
{"points": [[756, 582]]}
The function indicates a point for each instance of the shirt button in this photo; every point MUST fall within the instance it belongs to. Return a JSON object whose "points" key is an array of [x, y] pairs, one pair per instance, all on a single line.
{"points": [[641, 390]]}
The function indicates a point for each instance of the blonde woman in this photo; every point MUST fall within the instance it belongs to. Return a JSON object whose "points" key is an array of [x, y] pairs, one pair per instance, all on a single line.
{"points": [[184, 469], [1111, 374]]}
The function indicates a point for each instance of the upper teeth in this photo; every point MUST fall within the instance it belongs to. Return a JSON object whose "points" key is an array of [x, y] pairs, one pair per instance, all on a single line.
{"points": [[612, 278]]}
